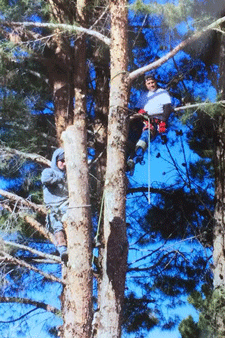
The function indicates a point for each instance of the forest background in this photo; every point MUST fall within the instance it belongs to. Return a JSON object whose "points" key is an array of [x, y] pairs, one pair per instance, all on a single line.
{"points": [[59, 73]]}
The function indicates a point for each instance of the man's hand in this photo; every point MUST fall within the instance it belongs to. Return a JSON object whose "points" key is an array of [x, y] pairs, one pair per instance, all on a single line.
{"points": [[142, 111], [139, 113], [161, 127]]}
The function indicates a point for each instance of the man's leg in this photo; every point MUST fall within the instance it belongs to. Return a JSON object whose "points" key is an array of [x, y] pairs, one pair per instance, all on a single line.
{"points": [[140, 149], [60, 238], [61, 243], [59, 233]]}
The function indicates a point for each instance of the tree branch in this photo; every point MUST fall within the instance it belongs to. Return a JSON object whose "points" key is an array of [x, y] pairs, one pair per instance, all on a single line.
{"points": [[28, 301], [16, 261], [140, 71], [30, 220], [33, 251], [65, 27], [33, 157], [199, 105], [40, 228], [145, 189], [17, 199]]}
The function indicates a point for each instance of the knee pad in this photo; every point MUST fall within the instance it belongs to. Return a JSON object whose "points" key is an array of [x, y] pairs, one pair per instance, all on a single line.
{"points": [[141, 144]]}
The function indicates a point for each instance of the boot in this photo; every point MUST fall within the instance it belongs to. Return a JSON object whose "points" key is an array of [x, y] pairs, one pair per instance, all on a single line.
{"points": [[61, 244], [138, 158], [139, 155]]}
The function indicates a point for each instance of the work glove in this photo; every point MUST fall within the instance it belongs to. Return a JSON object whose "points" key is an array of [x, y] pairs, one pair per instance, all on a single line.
{"points": [[161, 127], [142, 111]]}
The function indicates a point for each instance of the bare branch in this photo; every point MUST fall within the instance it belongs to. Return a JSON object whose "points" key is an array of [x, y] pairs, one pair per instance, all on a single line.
{"points": [[33, 251], [65, 27], [145, 189], [28, 301], [140, 71], [16, 261], [40, 228], [17, 199], [34, 157], [199, 105], [30, 220]]}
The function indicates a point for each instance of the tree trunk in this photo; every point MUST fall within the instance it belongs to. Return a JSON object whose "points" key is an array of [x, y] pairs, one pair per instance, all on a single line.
{"points": [[114, 251], [63, 91], [77, 296], [219, 225], [60, 68], [100, 129], [219, 235], [219, 216]]}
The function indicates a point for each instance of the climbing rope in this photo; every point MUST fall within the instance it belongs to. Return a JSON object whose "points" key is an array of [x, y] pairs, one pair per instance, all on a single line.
{"points": [[100, 216], [99, 223], [149, 163]]}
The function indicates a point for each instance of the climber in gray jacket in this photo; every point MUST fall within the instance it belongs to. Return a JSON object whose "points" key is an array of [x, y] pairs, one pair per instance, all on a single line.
{"points": [[55, 193]]}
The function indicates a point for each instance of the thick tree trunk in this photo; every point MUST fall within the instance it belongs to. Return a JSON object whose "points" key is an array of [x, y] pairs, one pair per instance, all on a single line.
{"points": [[63, 90], [100, 130], [219, 215], [77, 296], [78, 292], [219, 230], [114, 252], [60, 69]]}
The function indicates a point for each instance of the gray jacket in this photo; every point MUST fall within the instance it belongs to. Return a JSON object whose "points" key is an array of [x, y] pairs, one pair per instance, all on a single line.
{"points": [[54, 183]]}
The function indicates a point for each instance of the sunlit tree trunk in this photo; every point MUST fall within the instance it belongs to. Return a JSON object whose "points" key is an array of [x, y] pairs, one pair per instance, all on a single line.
{"points": [[114, 251], [77, 295], [219, 215]]}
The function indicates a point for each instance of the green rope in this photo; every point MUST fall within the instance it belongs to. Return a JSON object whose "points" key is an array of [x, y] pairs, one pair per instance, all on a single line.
{"points": [[100, 215], [99, 221]]}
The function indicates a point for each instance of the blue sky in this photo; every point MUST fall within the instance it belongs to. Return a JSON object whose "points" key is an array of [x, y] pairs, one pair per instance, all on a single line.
{"points": [[162, 170]]}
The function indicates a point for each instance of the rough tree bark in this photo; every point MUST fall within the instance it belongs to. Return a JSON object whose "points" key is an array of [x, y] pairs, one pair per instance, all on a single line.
{"points": [[219, 216], [219, 234], [100, 126], [77, 295], [60, 69], [114, 251]]}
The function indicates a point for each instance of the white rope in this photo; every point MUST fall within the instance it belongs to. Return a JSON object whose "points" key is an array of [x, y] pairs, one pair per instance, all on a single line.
{"points": [[80, 206], [149, 162]]}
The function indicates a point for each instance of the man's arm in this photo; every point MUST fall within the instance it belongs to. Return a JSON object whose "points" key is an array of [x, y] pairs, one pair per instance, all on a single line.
{"points": [[167, 110], [50, 176]]}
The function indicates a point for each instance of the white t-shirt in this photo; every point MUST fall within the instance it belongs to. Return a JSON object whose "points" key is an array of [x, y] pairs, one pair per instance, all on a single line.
{"points": [[153, 102]]}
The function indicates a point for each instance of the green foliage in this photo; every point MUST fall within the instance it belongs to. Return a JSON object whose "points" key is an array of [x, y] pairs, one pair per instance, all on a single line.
{"points": [[11, 223], [178, 211], [21, 10], [211, 306], [189, 329], [24, 99], [201, 135], [173, 14]]}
